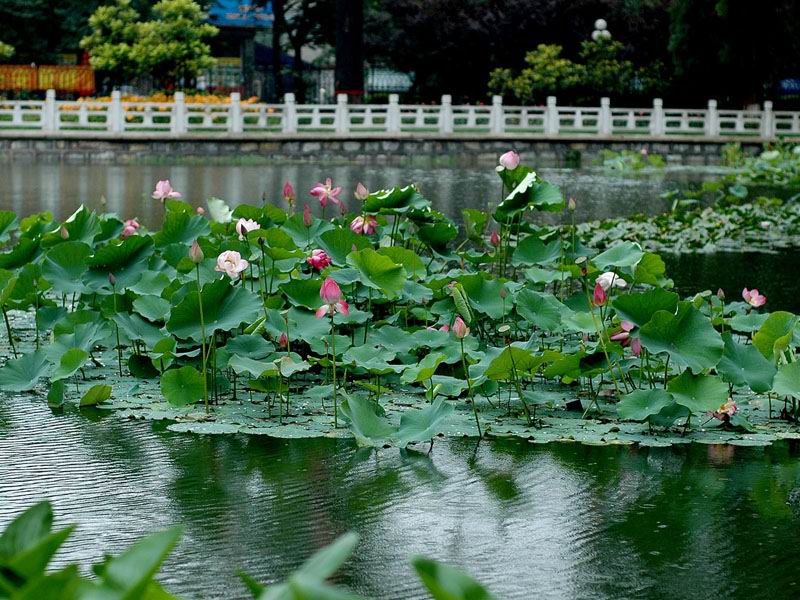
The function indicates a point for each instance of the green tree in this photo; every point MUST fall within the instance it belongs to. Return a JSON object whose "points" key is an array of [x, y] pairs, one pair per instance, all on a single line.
{"points": [[114, 31], [6, 51], [172, 45], [547, 73]]}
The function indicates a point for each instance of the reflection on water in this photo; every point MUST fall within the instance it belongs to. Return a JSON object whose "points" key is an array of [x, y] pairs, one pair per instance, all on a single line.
{"points": [[556, 521], [59, 188]]}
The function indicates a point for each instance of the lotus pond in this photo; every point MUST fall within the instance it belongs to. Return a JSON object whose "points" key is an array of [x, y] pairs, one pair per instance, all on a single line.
{"points": [[387, 324]]}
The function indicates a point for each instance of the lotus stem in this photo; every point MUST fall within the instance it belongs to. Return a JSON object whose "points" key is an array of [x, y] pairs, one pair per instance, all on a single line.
{"points": [[469, 389], [10, 334], [203, 335], [333, 353], [116, 328]]}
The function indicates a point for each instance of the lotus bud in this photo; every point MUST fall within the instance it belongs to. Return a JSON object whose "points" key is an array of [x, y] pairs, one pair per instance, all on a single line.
{"points": [[200, 210], [495, 238], [288, 194], [196, 253], [503, 293], [361, 192], [307, 219], [509, 160], [721, 294], [112, 280], [600, 297], [283, 340], [460, 328], [64, 233], [571, 204]]}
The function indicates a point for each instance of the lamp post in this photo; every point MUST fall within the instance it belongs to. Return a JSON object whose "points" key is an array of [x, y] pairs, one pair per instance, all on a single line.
{"points": [[601, 31]]}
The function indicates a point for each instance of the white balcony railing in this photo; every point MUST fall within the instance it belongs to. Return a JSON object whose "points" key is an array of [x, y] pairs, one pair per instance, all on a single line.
{"points": [[180, 118]]}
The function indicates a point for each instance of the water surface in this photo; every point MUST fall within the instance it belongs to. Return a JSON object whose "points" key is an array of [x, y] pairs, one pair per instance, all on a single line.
{"points": [[556, 521]]}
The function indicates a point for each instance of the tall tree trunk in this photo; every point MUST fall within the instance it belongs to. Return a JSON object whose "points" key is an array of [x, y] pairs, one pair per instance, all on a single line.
{"points": [[278, 10], [350, 46]]}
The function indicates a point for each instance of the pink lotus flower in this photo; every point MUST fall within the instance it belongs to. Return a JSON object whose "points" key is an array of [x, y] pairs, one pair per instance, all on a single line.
{"points": [[231, 263], [327, 193], [164, 191], [753, 298], [129, 229], [494, 239], [623, 333], [200, 210], [643, 152], [332, 297], [283, 340], [364, 224], [288, 194], [445, 328], [636, 347], [318, 259], [509, 160], [307, 219], [460, 328], [610, 279], [361, 192], [244, 225], [725, 411], [599, 297]]}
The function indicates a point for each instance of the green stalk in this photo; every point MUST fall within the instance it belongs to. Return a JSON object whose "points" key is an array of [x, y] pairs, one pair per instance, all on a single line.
{"points": [[10, 335], [203, 334], [333, 351], [469, 388], [116, 328]]}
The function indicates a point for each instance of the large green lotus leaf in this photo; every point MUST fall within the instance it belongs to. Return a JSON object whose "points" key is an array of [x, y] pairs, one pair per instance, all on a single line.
{"points": [[748, 323], [424, 369], [25, 251], [533, 251], [372, 358], [624, 254], [8, 223], [136, 328], [338, 243], [640, 307], [511, 359], [288, 366], [23, 373], [395, 200], [82, 226], [368, 428], [29, 283], [181, 228], [531, 192], [687, 336], [543, 310], [423, 425], [744, 365], [224, 308], [698, 393], [69, 363], [182, 386], [152, 308], [474, 223], [641, 404], [393, 339], [774, 336], [303, 292], [538, 275], [410, 260], [95, 395], [438, 235], [303, 236], [251, 346], [7, 282], [787, 380], [650, 269], [378, 271], [578, 321], [448, 583], [304, 324], [484, 295], [126, 260], [64, 265], [152, 283], [243, 365]]}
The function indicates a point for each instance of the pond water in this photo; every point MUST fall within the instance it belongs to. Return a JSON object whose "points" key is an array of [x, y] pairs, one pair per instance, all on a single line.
{"points": [[61, 188], [555, 521]]}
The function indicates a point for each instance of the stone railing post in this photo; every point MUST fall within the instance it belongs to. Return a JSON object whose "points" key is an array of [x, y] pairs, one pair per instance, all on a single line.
{"points": [[116, 116], [342, 118], [604, 124], [235, 114], [497, 119], [289, 123], [712, 119], [767, 120], [446, 115], [50, 112], [178, 120], [393, 114], [551, 120], [657, 118]]}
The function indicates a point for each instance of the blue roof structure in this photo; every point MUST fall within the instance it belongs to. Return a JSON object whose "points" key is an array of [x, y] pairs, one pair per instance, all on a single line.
{"points": [[241, 13]]}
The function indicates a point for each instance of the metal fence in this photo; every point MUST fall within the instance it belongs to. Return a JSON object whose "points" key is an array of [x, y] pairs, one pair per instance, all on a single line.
{"points": [[179, 118]]}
